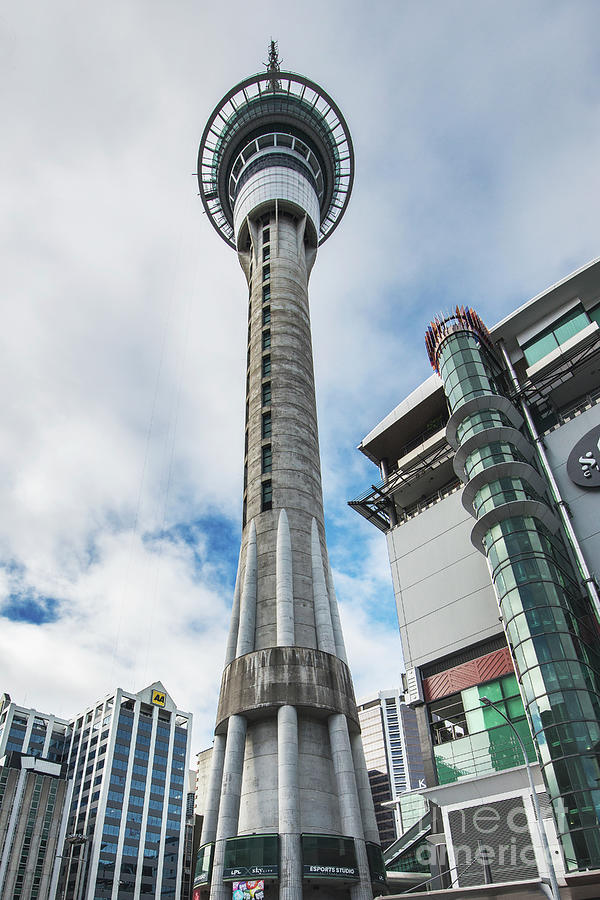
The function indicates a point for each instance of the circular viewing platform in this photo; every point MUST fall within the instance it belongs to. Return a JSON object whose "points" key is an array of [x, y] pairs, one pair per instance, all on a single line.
{"points": [[288, 117]]}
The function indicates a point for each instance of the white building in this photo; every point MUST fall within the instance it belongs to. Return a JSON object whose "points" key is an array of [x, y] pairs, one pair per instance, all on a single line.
{"points": [[393, 756]]}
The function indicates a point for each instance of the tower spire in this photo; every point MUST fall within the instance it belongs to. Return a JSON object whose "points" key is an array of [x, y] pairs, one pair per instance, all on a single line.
{"points": [[274, 65]]}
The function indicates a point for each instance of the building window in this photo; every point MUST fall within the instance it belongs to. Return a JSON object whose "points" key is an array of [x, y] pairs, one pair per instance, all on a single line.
{"points": [[267, 495], [266, 393], [266, 235], [266, 273], [266, 339], [266, 315], [556, 334], [266, 425], [267, 458], [267, 252], [266, 293], [266, 365]]}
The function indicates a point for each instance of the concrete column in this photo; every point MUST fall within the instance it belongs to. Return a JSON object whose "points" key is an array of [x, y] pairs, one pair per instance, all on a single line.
{"points": [[284, 584], [245, 641], [290, 875], [213, 793], [343, 766], [235, 617], [365, 797], [325, 640], [12, 824], [338, 634], [229, 806]]}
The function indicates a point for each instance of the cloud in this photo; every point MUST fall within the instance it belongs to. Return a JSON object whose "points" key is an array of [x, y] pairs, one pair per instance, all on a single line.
{"points": [[476, 132]]}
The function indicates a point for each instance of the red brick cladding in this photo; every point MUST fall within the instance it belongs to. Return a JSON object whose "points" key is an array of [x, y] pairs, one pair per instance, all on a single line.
{"points": [[476, 671]]}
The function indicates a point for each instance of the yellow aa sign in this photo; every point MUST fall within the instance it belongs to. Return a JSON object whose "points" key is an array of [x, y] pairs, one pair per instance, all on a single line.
{"points": [[158, 698]]}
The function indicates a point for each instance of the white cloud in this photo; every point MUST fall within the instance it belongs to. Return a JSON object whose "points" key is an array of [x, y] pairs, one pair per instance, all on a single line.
{"points": [[477, 133]]}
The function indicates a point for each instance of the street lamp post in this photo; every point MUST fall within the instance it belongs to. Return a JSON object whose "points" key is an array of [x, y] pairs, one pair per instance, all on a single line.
{"points": [[534, 797]]}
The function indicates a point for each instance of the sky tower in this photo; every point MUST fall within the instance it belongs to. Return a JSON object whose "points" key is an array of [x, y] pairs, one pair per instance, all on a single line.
{"points": [[288, 798]]}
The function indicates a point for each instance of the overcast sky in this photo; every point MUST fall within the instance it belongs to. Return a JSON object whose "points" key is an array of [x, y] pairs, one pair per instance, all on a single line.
{"points": [[477, 139]]}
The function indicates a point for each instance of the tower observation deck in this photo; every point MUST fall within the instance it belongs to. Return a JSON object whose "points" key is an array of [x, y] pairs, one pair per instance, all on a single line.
{"points": [[288, 799]]}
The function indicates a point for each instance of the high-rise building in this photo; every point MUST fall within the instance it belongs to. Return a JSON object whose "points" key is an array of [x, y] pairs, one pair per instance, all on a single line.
{"points": [[489, 499], [289, 800], [128, 757], [96, 807], [33, 793], [393, 756]]}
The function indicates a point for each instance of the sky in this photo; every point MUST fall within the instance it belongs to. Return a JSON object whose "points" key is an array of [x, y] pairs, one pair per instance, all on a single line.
{"points": [[476, 129]]}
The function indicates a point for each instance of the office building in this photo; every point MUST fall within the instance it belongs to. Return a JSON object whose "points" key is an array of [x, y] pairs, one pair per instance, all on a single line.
{"points": [[128, 758], [489, 499], [288, 800], [393, 756], [33, 794]]}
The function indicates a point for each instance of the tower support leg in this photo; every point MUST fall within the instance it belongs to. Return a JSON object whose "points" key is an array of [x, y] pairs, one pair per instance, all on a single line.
{"points": [[343, 765], [229, 806], [290, 876]]}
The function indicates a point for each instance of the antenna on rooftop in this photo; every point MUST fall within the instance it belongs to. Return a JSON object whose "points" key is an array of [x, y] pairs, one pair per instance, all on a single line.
{"points": [[274, 65]]}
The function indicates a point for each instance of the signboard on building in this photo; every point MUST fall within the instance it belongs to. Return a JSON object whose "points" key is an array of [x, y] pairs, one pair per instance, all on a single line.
{"points": [[248, 890], [329, 856], [252, 856], [583, 464]]}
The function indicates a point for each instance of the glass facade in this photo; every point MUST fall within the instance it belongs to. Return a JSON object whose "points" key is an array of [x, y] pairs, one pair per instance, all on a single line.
{"points": [[556, 334], [548, 620], [128, 759], [470, 739]]}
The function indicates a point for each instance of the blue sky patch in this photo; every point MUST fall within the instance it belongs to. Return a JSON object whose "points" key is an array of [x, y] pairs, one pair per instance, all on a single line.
{"points": [[29, 608]]}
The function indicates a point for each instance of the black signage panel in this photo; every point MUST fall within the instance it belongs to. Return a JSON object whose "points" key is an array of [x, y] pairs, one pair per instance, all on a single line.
{"points": [[376, 863], [583, 464], [330, 872], [329, 856], [204, 861], [253, 872], [252, 856]]}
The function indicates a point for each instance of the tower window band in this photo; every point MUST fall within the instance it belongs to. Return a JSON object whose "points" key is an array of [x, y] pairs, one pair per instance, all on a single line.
{"points": [[267, 495], [266, 273], [266, 365], [266, 293], [266, 339], [267, 458], [266, 425], [267, 315], [266, 393]]}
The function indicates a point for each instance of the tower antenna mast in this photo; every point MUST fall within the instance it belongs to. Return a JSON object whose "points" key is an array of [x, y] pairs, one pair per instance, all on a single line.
{"points": [[274, 65]]}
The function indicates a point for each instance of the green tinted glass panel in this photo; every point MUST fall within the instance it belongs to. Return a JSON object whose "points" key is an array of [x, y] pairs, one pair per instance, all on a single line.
{"points": [[203, 864], [253, 850], [539, 348], [571, 325], [376, 863], [325, 851]]}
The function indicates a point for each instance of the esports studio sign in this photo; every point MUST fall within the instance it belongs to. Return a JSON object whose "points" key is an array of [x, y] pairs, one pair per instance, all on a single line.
{"points": [[583, 464]]}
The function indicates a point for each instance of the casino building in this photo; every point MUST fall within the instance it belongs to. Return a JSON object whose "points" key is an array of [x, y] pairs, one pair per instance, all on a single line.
{"points": [[489, 496]]}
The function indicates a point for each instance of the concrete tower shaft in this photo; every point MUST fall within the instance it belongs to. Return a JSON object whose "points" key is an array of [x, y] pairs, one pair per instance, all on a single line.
{"points": [[275, 170]]}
